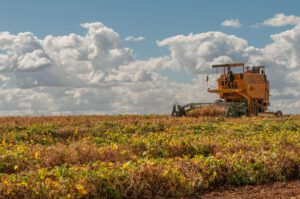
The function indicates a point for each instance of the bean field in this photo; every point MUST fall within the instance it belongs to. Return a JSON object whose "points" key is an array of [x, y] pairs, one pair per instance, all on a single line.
{"points": [[148, 156]]}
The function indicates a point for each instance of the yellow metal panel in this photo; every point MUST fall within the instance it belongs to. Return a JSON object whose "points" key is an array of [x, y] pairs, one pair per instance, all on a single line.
{"points": [[229, 90]]}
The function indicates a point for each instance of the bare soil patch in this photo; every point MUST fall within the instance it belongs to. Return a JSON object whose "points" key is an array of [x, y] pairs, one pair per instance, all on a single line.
{"points": [[275, 190]]}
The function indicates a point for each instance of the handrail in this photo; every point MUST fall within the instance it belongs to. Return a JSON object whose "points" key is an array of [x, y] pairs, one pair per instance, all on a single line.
{"points": [[227, 65]]}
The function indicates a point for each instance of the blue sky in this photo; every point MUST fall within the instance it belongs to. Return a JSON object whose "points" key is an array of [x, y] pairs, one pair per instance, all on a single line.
{"points": [[154, 20], [64, 55]]}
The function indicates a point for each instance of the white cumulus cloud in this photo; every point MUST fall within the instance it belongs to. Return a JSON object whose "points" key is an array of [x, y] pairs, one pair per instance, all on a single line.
{"points": [[281, 19], [134, 38], [233, 23], [196, 52], [93, 73]]}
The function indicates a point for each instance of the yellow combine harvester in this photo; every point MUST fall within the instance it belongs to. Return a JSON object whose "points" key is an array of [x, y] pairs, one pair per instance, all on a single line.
{"points": [[243, 93]]}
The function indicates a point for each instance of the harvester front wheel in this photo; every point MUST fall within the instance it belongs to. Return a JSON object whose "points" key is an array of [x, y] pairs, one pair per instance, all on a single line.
{"points": [[278, 114]]}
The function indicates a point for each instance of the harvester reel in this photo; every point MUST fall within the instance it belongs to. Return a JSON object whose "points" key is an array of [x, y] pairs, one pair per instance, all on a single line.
{"points": [[179, 111]]}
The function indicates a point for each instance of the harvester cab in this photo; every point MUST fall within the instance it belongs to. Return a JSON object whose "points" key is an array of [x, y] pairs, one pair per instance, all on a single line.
{"points": [[245, 92]]}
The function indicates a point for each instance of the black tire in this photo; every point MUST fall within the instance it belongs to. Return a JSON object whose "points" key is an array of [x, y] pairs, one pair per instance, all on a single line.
{"points": [[278, 114], [219, 102]]}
